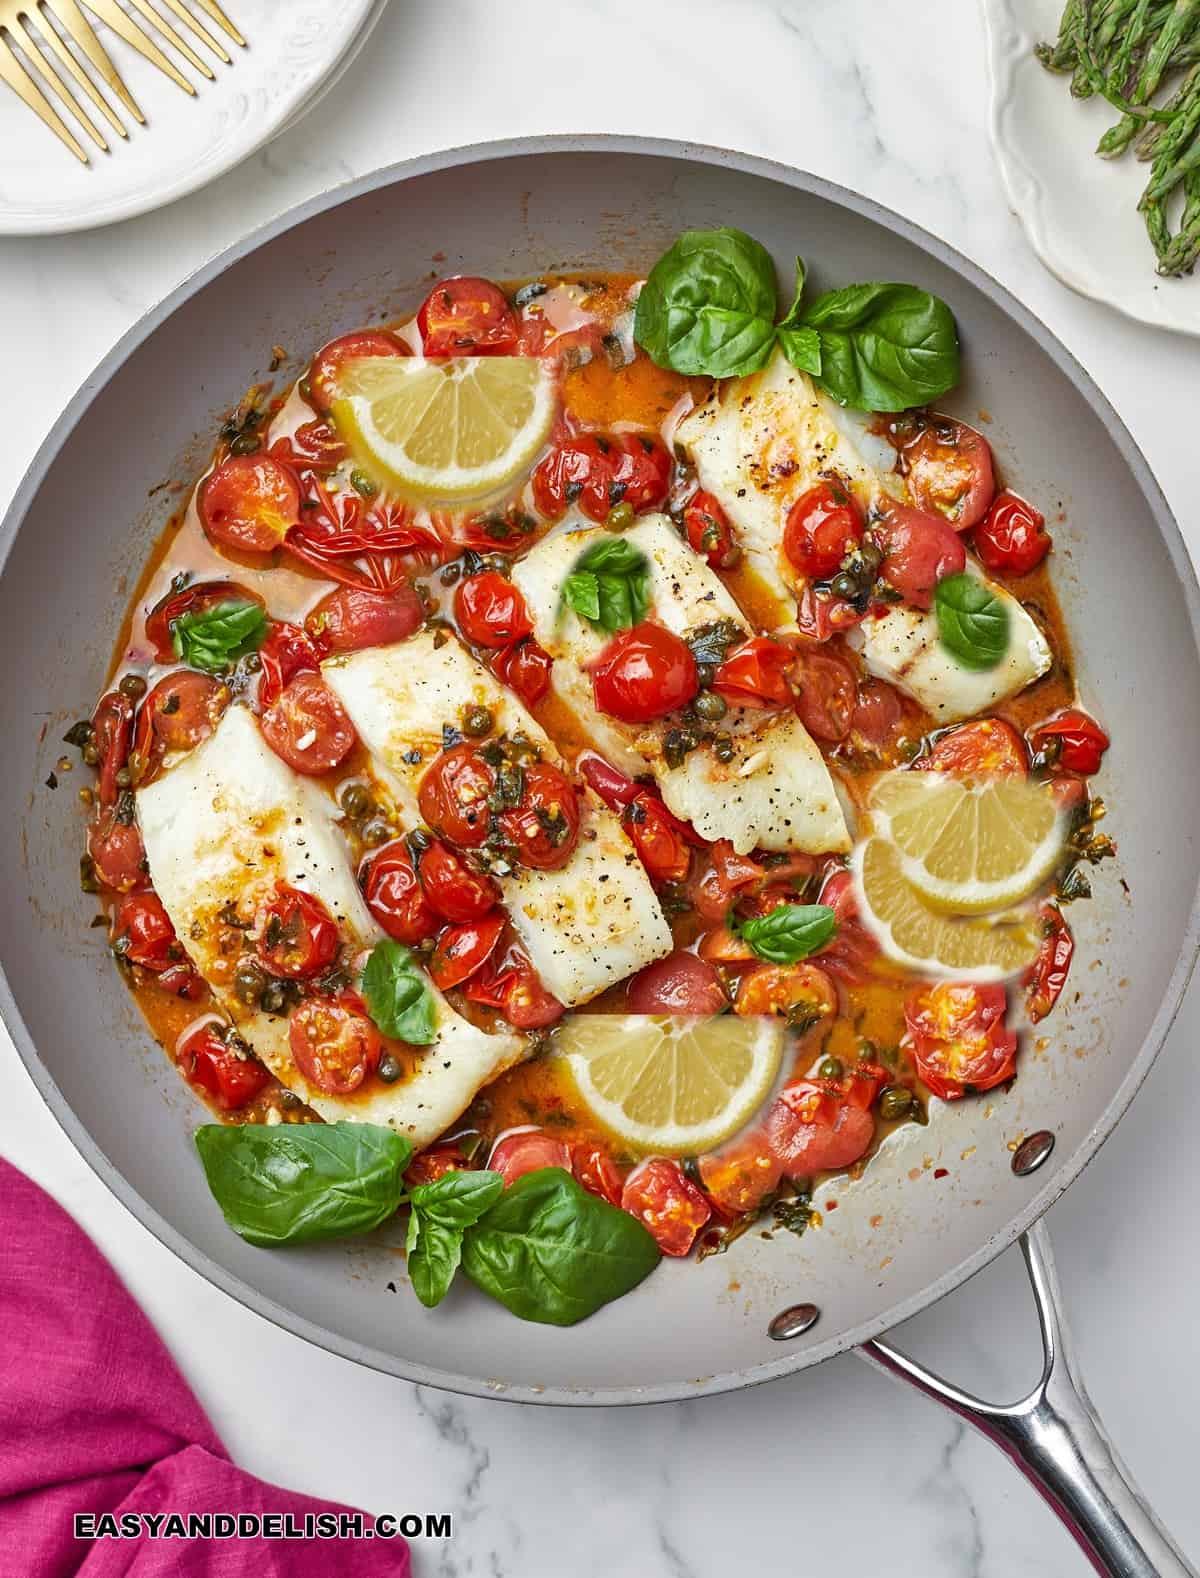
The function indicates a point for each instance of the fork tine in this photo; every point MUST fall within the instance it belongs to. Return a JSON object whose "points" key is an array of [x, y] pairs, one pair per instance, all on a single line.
{"points": [[197, 27], [42, 62], [22, 83], [164, 27], [47, 30], [219, 17], [81, 30], [137, 38]]}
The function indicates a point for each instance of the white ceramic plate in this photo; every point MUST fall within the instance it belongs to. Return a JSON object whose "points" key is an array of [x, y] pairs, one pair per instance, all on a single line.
{"points": [[297, 48], [1079, 211]]}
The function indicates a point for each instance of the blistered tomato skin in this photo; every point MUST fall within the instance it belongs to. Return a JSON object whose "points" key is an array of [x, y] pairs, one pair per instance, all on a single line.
{"points": [[822, 527], [1074, 740], [709, 532], [349, 619], [671, 1208], [682, 983], [232, 1080], [250, 503], [1012, 538], [950, 473], [491, 611], [395, 896], [467, 316], [453, 796], [959, 1037], [594, 472], [307, 726]]}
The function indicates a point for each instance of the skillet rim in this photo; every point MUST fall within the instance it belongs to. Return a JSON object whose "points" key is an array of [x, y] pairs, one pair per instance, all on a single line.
{"points": [[801, 180]]}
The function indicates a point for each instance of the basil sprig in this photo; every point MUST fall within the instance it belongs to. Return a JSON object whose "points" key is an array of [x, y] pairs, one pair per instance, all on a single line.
{"points": [[398, 995], [440, 1213], [878, 347], [708, 305], [790, 932], [972, 621], [298, 1183], [609, 585], [212, 639]]}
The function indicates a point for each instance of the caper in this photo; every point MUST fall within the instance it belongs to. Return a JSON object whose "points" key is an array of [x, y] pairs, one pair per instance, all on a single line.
{"points": [[249, 983], [844, 585], [831, 1068], [710, 706], [870, 553], [87, 875], [355, 799], [723, 747], [362, 483], [621, 517], [450, 574], [123, 777], [895, 1101], [245, 444], [133, 686], [498, 563], [305, 388], [252, 663], [91, 754], [273, 997], [476, 721], [389, 1069], [706, 673], [376, 831]]}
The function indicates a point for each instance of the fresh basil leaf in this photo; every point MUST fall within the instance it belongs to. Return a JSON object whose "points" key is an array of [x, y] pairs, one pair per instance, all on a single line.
{"points": [[398, 994], [433, 1260], [299, 1182], [708, 306], [790, 932], [801, 345], [551, 1252], [212, 639], [884, 347], [972, 621], [441, 1211], [457, 1199], [609, 585]]}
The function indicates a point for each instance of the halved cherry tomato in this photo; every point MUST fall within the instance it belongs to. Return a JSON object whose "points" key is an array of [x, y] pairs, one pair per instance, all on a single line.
{"points": [[1047, 975], [453, 795], [491, 611], [826, 695], [950, 472], [250, 502], [182, 709], [679, 984], [959, 1037], [307, 725], [599, 470], [596, 1171], [740, 1176], [543, 829], [232, 1080], [457, 893], [351, 618], [815, 1126], [297, 936], [787, 990], [987, 748], [461, 950], [117, 852], [510, 983], [919, 550], [142, 933], [709, 532], [644, 673], [658, 838], [331, 358], [525, 668], [822, 527], [528, 1152], [1079, 741], [395, 896], [112, 723], [755, 674], [1012, 538], [334, 1043], [820, 616], [877, 714], [671, 1209], [435, 1163], [613, 787], [285, 652], [194, 599], [466, 316], [725, 873]]}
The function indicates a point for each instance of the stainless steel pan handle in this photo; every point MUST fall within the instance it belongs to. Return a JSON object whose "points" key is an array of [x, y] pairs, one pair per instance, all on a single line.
{"points": [[1056, 1439]]}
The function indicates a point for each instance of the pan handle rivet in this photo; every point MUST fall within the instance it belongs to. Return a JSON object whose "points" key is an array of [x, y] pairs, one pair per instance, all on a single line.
{"points": [[1032, 1152], [794, 1322]]}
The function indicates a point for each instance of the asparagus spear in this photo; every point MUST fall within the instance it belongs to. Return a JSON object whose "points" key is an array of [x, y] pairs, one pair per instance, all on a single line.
{"points": [[1180, 255]]}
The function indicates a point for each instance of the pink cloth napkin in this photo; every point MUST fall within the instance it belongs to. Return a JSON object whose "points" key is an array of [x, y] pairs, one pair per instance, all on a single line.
{"points": [[95, 1418]]}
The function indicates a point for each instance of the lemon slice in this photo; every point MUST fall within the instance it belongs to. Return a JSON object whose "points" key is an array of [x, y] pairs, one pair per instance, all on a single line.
{"points": [[969, 847], [671, 1084], [445, 429], [914, 933]]}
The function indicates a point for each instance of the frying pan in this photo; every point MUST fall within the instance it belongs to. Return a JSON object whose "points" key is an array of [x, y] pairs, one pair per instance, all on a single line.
{"points": [[940, 1201]]}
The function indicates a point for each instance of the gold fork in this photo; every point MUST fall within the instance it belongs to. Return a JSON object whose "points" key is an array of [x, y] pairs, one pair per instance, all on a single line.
{"points": [[31, 43]]}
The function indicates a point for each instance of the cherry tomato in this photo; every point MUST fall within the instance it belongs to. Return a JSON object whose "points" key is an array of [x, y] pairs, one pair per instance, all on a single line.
{"points": [[232, 1079], [142, 933], [1047, 975], [453, 795], [826, 696], [528, 1152], [182, 709], [679, 984], [465, 316], [595, 1171], [491, 611], [850, 955], [351, 618], [950, 473], [814, 1127], [510, 983], [314, 444], [572, 349], [543, 829], [286, 652], [116, 852], [197, 598], [820, 616], [671, 1209], [740, 1176], [878, 712], [112, 723], [755, 674], [457, 893], [796, 991], [919, 550], [822, 527], [644, 673], [307, 725], [525, 668], [599, 470], [250, 502], [959, 1037], [709, 532], [1078, 740], [395, 896], [461, 950], [435, 1163], [987, 748], [726, 873], [182, 981], [327, 364], [613, 787], [641, 471], [334, 1043], [1012, 538], [656, 836], [297, 936]]}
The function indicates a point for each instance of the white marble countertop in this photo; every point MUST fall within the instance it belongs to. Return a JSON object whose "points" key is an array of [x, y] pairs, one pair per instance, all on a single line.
{"points": [[838, 1470]]}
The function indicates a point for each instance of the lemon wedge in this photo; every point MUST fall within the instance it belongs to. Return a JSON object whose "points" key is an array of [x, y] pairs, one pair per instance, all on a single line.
{"points": [[912, 932], [969, 847], [453, 429], [670, 1084]]}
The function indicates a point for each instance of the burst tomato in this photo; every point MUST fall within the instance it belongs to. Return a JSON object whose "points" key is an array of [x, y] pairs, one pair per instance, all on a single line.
{"points": [[679, 984], [919, 550], [613, 787], [826, 696], [709, 532], [987, 748], [599, 470], [116, 852], [755, 674], [334, 1043], [457, 893], [250, 503], [1048, 973], [525, 668], [286, 652], [510, 983], [740, 1176], [878, 713], [197, 598], [453, 795], [822, 527], [182, 710], [596, 1171], [466, 316], [819, 616], [435, 1163], [671, 1209], [543, 829], [1012, 538], [527, 1152], [491, 611], [230, 1077], [959, 1038], [950, 472], [329, 361], [395, 896], [352, 618], [850, 955], [1072, 740], [724, 874], [142, 933], [112, 724], [796, 991], [297, 936], [461, 950], [816, 1126], [644, 673], [307, 726], [655, 834]]}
